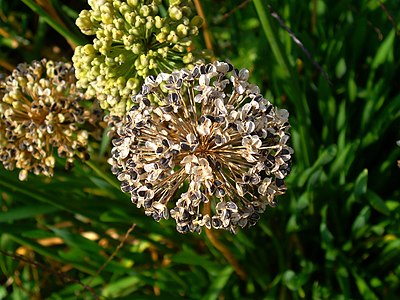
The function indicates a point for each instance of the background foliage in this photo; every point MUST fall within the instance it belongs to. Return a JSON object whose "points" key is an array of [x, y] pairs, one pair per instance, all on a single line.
{"points": [[335, 235]]}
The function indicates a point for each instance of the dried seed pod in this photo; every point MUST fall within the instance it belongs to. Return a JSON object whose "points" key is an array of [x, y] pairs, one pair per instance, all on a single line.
{"points": [[41, 113], [223, 145]]}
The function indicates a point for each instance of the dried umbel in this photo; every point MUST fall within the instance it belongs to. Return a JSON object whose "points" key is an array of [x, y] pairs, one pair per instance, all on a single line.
{"points": [[213, 153], [133, 40], [41, 113]]}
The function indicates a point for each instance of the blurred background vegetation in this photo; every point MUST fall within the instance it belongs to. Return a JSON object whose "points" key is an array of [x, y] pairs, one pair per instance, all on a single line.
{"points": [[334, 235]]}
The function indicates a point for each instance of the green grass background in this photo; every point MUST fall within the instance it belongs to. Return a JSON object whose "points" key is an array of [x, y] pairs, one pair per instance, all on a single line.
{"points": [[334, 235]]}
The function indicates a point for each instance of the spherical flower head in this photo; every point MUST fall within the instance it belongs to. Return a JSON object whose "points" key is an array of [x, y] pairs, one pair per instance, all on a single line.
{"points": [[132, 40], [213, 154], [42, 113]]}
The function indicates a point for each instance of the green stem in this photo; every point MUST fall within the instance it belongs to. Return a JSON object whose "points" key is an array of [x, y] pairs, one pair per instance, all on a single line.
{"points": [[72, 38], [103, 175], [292, 87]]}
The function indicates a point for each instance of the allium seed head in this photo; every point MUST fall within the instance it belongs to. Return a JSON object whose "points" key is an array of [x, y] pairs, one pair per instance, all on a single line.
{"points": [[41, 113], [213, 153]]}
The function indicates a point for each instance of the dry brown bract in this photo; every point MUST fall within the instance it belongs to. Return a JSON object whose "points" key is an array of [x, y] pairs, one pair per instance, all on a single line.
{"points": [[212, 140], [41, 113]]}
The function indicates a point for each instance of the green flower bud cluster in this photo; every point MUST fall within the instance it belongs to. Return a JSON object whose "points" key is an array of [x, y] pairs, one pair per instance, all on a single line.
{"points": [[42, 113], [133, 39]]}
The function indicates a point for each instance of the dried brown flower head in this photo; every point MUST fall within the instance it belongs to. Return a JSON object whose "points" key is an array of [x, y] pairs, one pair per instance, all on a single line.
{"points": [[213, 152], [41, 113]]}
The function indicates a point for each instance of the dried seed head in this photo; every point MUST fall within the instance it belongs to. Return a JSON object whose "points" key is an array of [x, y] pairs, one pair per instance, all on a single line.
{"points": [[132, 41], [214, 141], [41, 113]]}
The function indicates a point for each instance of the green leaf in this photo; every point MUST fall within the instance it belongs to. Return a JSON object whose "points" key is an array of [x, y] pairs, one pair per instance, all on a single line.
{"points": [[37, 234], [122, 287], [71, 291], [363, 287], [243, 240], [381, 120], [327, 237], [77, 240], [360, 186], [390, 252], [341, 68], [293, 282], [343, 278], [61, 29], [341, 117], [292, 225], [303, 202], [344, 159], [325, 157], [360, 225], [26, 211], [385, 51], [218, 283], [166, 277], [189, 257], [377, 203], [47, 252], [292, 86], [352, 88], [3, 292]]}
